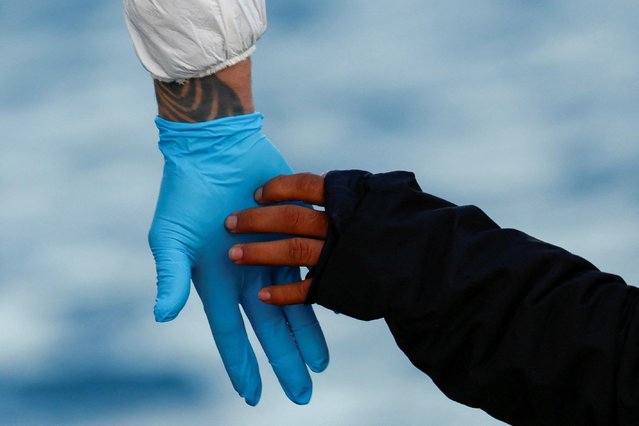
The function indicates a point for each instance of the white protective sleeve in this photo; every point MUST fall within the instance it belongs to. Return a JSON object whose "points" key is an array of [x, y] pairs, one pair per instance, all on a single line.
{"points": [[178, 40]]}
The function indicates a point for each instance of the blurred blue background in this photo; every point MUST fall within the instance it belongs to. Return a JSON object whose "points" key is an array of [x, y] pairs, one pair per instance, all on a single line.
{"points": [[527, 109]]}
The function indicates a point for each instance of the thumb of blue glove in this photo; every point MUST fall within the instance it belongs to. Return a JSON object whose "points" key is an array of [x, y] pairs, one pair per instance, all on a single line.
{"points": [[174, 281]]}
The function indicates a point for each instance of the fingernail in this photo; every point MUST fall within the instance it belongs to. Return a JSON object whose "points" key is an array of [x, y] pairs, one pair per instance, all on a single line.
{"points": [[264, 295], [231, 223], [258, 194], [236, 253]]}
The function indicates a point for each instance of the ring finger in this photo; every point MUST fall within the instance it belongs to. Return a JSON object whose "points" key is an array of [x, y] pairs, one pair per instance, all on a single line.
{"points": [[287, 252]]}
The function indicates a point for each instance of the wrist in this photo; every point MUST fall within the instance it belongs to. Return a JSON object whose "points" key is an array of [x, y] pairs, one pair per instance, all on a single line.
{"points": [[223, 94], [208, 140]]}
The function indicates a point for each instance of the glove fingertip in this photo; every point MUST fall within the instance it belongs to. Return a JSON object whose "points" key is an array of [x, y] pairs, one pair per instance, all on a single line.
{"points": [[319, 365], [253, 398], [302, 396], [315, 350], [163, 315], [169, 304], [242, 368], [309, 336]]}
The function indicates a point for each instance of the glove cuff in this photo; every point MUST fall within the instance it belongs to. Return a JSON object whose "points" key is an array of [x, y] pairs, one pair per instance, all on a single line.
{"points": [[219, 134]]}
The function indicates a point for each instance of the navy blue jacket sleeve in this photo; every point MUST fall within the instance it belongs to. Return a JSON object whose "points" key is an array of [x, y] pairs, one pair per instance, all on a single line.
{"points": [[522, 329]]}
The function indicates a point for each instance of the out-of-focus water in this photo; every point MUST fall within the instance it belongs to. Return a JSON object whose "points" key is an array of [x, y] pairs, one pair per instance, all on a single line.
{"points": [[527, 109]]}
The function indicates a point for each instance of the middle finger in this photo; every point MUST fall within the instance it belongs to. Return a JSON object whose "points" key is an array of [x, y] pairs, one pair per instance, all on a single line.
{"points": [[286, 219]]}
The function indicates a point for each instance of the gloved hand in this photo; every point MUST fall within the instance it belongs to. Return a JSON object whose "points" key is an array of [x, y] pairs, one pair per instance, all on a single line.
{"points": [[211, 170]]}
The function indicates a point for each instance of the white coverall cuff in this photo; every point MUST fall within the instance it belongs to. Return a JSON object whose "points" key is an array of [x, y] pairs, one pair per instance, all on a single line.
{"points": [[180, 40], [211, 70]]}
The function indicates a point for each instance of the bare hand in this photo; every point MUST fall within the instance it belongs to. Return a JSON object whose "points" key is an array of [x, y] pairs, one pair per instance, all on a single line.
{"points": [[309, 227]]}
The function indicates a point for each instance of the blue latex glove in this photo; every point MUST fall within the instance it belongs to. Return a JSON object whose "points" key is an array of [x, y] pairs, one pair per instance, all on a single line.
{"points": [[212, 170]]}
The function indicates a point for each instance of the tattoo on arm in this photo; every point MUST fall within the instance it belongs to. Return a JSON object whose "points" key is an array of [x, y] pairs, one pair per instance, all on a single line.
{"points": [[199, 99]]}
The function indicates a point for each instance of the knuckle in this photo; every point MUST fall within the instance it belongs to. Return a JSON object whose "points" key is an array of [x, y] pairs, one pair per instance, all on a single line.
{"points": [[306, 183], [299, 251], [293, 216], [319, 220], [312, 186], [304, 221]]}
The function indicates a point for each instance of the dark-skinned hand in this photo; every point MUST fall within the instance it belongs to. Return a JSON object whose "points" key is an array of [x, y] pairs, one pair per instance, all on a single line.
{"points": [[308, 226]]}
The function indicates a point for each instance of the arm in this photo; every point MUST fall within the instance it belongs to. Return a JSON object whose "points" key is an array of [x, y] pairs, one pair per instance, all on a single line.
{"points": [[215, 154], [527, 331]]}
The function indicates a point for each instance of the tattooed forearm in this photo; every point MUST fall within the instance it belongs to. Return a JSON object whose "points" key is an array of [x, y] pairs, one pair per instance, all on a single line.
{"points": [[199, 99]]}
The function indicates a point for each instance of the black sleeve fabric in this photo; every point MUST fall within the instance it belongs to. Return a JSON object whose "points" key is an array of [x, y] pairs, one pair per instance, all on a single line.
{"points": [[522, 329]]}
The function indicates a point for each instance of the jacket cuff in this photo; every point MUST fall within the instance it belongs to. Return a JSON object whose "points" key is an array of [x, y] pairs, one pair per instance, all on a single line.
{"points": [[343, 191], [354, 275]]}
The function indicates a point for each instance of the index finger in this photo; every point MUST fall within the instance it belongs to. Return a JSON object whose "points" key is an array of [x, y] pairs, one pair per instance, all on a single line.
{"points": [[305, 187]]}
